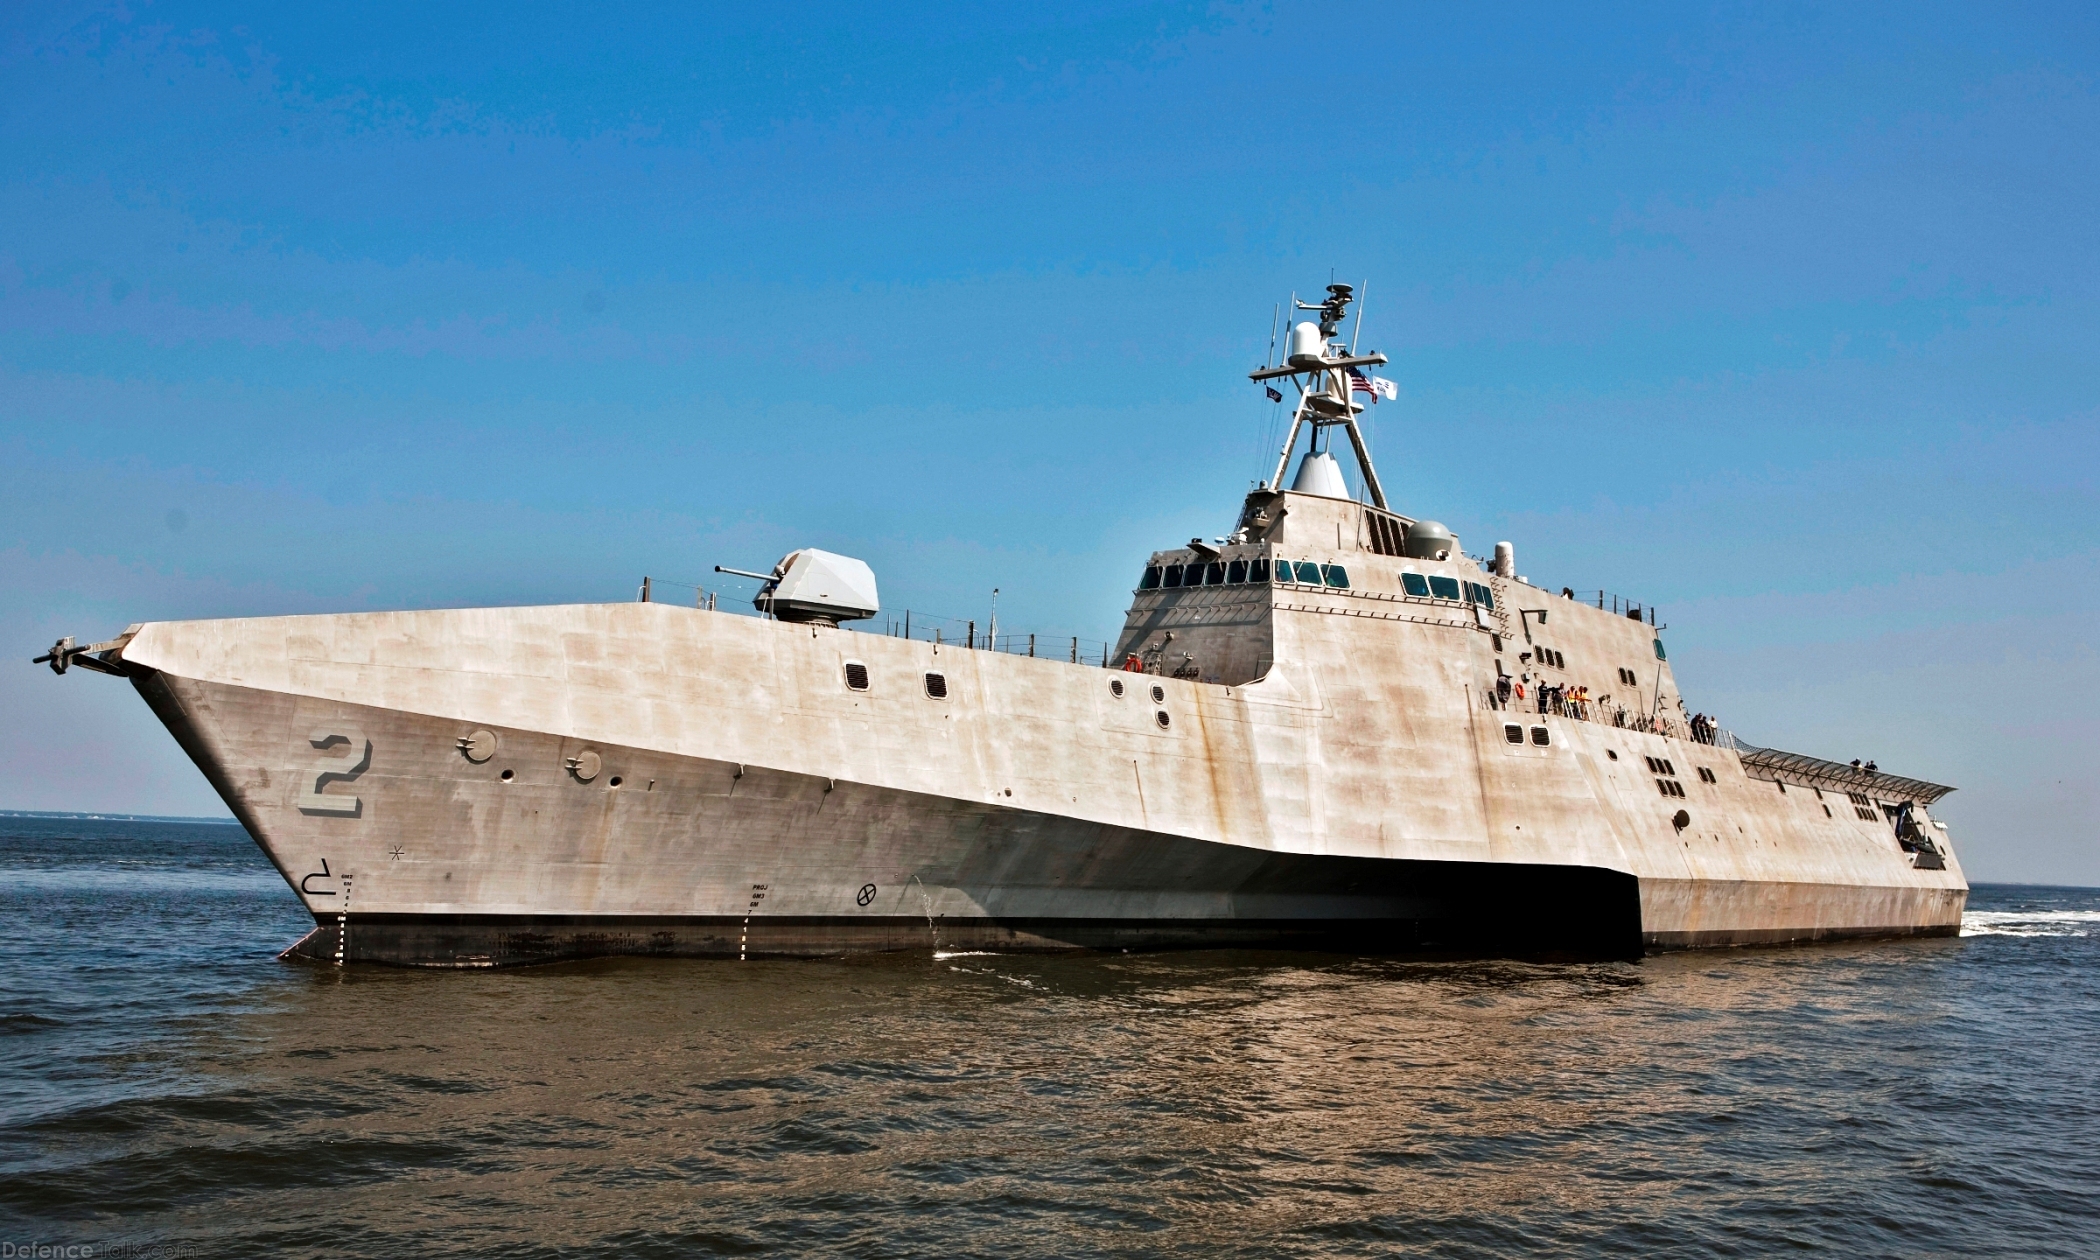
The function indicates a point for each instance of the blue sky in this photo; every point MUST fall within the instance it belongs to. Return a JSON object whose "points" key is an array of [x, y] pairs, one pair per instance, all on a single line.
{"points": [[1781, 318]]}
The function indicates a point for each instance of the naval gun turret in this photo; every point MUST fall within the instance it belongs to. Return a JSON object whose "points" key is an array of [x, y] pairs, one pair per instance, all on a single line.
{"points": [[813, 586]]}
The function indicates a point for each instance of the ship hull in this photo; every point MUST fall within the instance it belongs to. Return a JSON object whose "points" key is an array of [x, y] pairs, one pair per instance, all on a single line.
{"points": [[445, 863], [486, 812]]}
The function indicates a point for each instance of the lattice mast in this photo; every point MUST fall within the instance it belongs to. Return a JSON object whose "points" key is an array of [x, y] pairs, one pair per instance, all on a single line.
{"points": [[1319, 363]]}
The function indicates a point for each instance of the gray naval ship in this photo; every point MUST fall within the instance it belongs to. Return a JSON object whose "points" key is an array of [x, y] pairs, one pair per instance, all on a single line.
{"points": [[1327, 728]]}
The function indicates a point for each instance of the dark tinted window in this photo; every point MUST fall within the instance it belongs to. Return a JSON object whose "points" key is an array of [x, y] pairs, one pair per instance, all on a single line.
{"points": [[1173, 575], [1308, 573], [1414, 584], [1540, 737], [1236, 572], [1258, 571], [1151, 578], [1444, 587], [1513, 733], [937, 686], [1214, 574], [856, 675], [1487, 598], [1335, 575]]}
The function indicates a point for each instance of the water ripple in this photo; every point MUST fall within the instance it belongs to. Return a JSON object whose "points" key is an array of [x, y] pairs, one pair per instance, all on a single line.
{"points": [[164, 1079]]}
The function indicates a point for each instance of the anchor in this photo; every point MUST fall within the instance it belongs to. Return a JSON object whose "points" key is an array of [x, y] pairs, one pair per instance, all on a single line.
{"points": [[65, 653]]}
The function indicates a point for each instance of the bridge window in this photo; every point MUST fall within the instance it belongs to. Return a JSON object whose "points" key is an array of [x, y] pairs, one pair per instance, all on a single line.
{"points": [[1214, 573], [1258, 570], [1308, 573], [1173, 575], [1335, 576], [1443, 587], [1151, 579], [1415, 584], [1236, 572]]}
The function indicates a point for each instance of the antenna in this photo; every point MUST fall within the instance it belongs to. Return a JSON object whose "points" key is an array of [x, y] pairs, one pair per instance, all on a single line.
{"points": [[1362, 296], [1274, 317]]}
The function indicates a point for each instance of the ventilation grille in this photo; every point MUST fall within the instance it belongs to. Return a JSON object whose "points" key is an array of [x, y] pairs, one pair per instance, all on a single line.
{"points": [[1388, 536]]}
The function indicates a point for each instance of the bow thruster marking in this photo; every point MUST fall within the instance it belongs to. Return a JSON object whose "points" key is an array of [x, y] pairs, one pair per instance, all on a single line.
{"points": [[320, 874]]}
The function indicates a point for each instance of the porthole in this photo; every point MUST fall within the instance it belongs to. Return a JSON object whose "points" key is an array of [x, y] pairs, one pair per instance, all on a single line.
{"points": [[507, 775], [1163, 719], [937, 686], [1159, 695], [1541, 736], [1513, 733], [1609, 753], [1115, 687], [613, 782], [856, 676]]}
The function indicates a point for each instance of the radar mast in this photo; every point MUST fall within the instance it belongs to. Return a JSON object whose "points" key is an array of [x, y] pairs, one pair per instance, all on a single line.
{"points": [[1319, 364]]}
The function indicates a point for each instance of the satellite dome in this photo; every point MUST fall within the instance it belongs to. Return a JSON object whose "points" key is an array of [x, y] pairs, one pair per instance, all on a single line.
{"points": [[1429, 540]]}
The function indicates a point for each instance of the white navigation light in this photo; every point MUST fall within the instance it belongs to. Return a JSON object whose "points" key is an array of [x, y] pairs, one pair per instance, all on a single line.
{"points": [[819, 586], [1320, 473], [1307, 347]]}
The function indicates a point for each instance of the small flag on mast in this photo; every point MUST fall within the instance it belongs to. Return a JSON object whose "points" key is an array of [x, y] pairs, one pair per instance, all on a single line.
{"points": [[1275, 394], [1376, 386]]}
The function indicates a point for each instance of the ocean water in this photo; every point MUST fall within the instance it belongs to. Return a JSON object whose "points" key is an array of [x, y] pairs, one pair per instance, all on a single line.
{"points": [[168, 1087]]}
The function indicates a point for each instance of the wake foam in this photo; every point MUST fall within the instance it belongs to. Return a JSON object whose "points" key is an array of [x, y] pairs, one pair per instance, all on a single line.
{"points": [[2029, 922]]}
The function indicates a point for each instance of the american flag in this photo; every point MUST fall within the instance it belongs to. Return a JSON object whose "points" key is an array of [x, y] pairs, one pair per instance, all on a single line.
{"points": [[1376, 386]]}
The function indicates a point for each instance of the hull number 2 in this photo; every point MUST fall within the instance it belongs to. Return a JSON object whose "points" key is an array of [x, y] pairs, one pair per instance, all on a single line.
{"points": [[340, 754]]}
